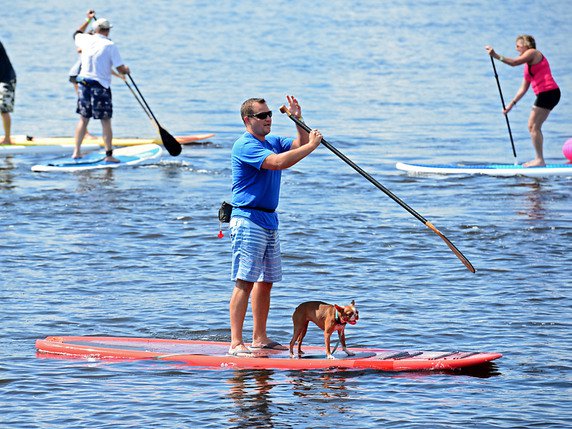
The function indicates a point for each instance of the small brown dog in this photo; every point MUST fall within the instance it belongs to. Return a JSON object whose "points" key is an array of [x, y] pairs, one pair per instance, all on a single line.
{"points": [[328, 318]]}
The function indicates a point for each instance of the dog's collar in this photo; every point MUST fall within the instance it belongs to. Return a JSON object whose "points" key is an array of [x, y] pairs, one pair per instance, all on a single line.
{"points": [[338, 319]]}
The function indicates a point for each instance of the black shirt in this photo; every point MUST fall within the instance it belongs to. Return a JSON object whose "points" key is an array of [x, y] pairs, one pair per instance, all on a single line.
{"points": [[7, 72]]}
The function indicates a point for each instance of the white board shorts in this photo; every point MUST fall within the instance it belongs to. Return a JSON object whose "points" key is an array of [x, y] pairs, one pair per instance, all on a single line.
{"points": [[255, 252], [7, 96]]}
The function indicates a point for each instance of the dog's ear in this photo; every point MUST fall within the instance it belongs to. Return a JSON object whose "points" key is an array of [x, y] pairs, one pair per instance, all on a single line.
{"points": [[340, 309], [353, 302]]}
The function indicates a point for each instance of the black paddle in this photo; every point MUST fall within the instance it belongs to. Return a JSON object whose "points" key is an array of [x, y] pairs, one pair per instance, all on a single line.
{"points": [[138, 100], [505, 116], [390, 194], [171, 144]]}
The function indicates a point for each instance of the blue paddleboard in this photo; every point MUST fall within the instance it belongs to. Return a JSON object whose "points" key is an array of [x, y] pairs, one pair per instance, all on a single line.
{"points": [[128, 156]]}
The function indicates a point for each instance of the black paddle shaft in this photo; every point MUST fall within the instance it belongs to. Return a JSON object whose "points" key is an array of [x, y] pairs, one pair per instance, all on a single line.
{"points": [[361, 171], [143, 98], [503, 106], [382, 188], [138, 100], [171, 144]]}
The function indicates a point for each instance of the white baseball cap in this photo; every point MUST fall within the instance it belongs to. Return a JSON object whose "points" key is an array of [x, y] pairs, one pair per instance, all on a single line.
{"points": [[102, 23]]}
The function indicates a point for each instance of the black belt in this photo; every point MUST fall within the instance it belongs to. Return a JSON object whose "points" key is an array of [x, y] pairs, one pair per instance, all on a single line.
{"points": [[262, 209], [88, 82]]}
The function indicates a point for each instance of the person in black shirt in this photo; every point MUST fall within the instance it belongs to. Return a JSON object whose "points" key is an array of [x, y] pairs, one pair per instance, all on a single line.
{"points": [[7, 93]]}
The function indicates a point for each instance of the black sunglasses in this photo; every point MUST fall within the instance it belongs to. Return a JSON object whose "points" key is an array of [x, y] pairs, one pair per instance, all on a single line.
{"points": [[262, 115]]}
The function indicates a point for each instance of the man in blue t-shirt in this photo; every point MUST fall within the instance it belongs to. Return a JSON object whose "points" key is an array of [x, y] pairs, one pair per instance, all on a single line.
{"points": [[258, 159]]}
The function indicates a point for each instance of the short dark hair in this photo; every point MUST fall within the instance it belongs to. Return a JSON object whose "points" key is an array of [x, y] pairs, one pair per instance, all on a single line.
{"points": [[246, 108]]}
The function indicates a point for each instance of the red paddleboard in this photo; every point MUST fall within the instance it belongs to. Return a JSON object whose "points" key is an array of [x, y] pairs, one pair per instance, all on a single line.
{"points": [[193, 139], [214, 354]]}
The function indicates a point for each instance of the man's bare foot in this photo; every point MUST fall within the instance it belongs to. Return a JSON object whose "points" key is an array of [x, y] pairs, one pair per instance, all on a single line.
{"points": [[535, 163], [89, 136], [6, 141], [76, 155], [111, 159]]}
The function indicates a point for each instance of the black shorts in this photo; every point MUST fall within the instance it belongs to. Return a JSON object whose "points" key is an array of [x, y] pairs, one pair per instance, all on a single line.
{"points": [[548, 100], [94, 100]]}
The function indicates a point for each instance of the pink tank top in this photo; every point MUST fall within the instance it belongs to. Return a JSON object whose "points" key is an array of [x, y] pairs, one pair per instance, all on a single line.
{"points": [[540, 76]]}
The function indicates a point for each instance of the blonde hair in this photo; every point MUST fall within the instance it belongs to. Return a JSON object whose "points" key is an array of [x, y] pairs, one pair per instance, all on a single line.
{"points": [[527, 40]]}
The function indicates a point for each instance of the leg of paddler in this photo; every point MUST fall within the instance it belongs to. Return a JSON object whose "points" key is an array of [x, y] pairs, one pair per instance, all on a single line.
{"points": [[7, 124], [107, 132], [260, 308], [80, 130], [238, 307]]}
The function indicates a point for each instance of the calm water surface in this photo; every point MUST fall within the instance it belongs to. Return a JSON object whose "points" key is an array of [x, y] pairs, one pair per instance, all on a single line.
{"points": [[134, 252]]}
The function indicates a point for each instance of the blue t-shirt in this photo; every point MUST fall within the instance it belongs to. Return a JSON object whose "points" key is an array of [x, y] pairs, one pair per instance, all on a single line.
{"points": [[252, 185]]}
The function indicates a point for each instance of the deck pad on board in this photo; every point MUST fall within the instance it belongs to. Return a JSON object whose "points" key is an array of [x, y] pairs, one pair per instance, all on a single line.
{"points": [[214, 354], [128, 156]]}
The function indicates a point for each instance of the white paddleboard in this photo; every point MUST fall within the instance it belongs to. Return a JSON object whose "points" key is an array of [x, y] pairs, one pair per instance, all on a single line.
{"points": [[128, 156], [487, 169]]}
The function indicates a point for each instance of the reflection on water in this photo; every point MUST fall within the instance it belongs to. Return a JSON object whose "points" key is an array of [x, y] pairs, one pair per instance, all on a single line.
{"points": [[93, 179], [486, 370], [7, 168], [325, 385], [250, 391], [534, 198]]}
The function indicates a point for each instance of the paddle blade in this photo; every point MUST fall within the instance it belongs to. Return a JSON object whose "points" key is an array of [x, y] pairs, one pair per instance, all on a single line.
{"points": [[456, 251], [171, 144]]}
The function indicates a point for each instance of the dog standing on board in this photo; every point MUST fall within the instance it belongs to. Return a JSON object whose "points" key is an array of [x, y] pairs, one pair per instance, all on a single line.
{"points": [[328, 318]]}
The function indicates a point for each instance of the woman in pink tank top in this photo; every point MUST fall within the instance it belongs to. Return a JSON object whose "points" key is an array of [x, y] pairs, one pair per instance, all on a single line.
{"points": [[536, 73]]}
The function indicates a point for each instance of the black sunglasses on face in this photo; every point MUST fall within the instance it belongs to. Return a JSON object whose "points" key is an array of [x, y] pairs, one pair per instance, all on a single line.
{"points": [[262, 115]]}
